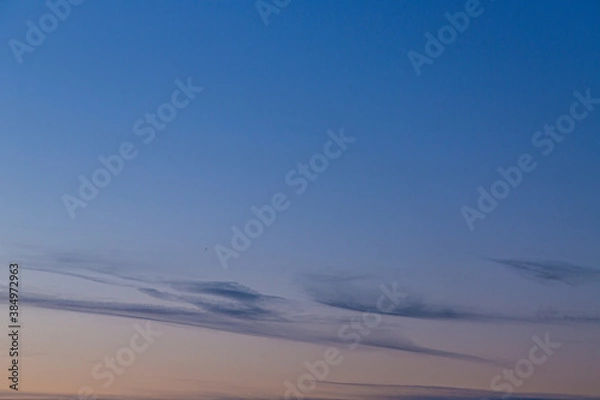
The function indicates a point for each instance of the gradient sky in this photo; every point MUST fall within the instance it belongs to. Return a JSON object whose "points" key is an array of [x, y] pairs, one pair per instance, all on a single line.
{"points": [[388, 210]]}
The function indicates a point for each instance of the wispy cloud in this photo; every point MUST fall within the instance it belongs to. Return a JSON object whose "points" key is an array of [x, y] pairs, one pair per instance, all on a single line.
{"points": [[342, 295], [225, 306], [551, 271], [236, 308], [231, 290]]}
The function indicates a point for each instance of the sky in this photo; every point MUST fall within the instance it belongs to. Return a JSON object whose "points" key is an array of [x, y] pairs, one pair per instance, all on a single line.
{"points": [[278, 168]]}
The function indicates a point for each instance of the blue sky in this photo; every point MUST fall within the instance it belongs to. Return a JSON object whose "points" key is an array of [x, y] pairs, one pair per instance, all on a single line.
{"points": [[387, 209]]}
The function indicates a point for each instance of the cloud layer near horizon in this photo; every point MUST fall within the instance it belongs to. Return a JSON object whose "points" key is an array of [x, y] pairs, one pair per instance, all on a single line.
{"points": [[232, 307], [341, 391]]}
